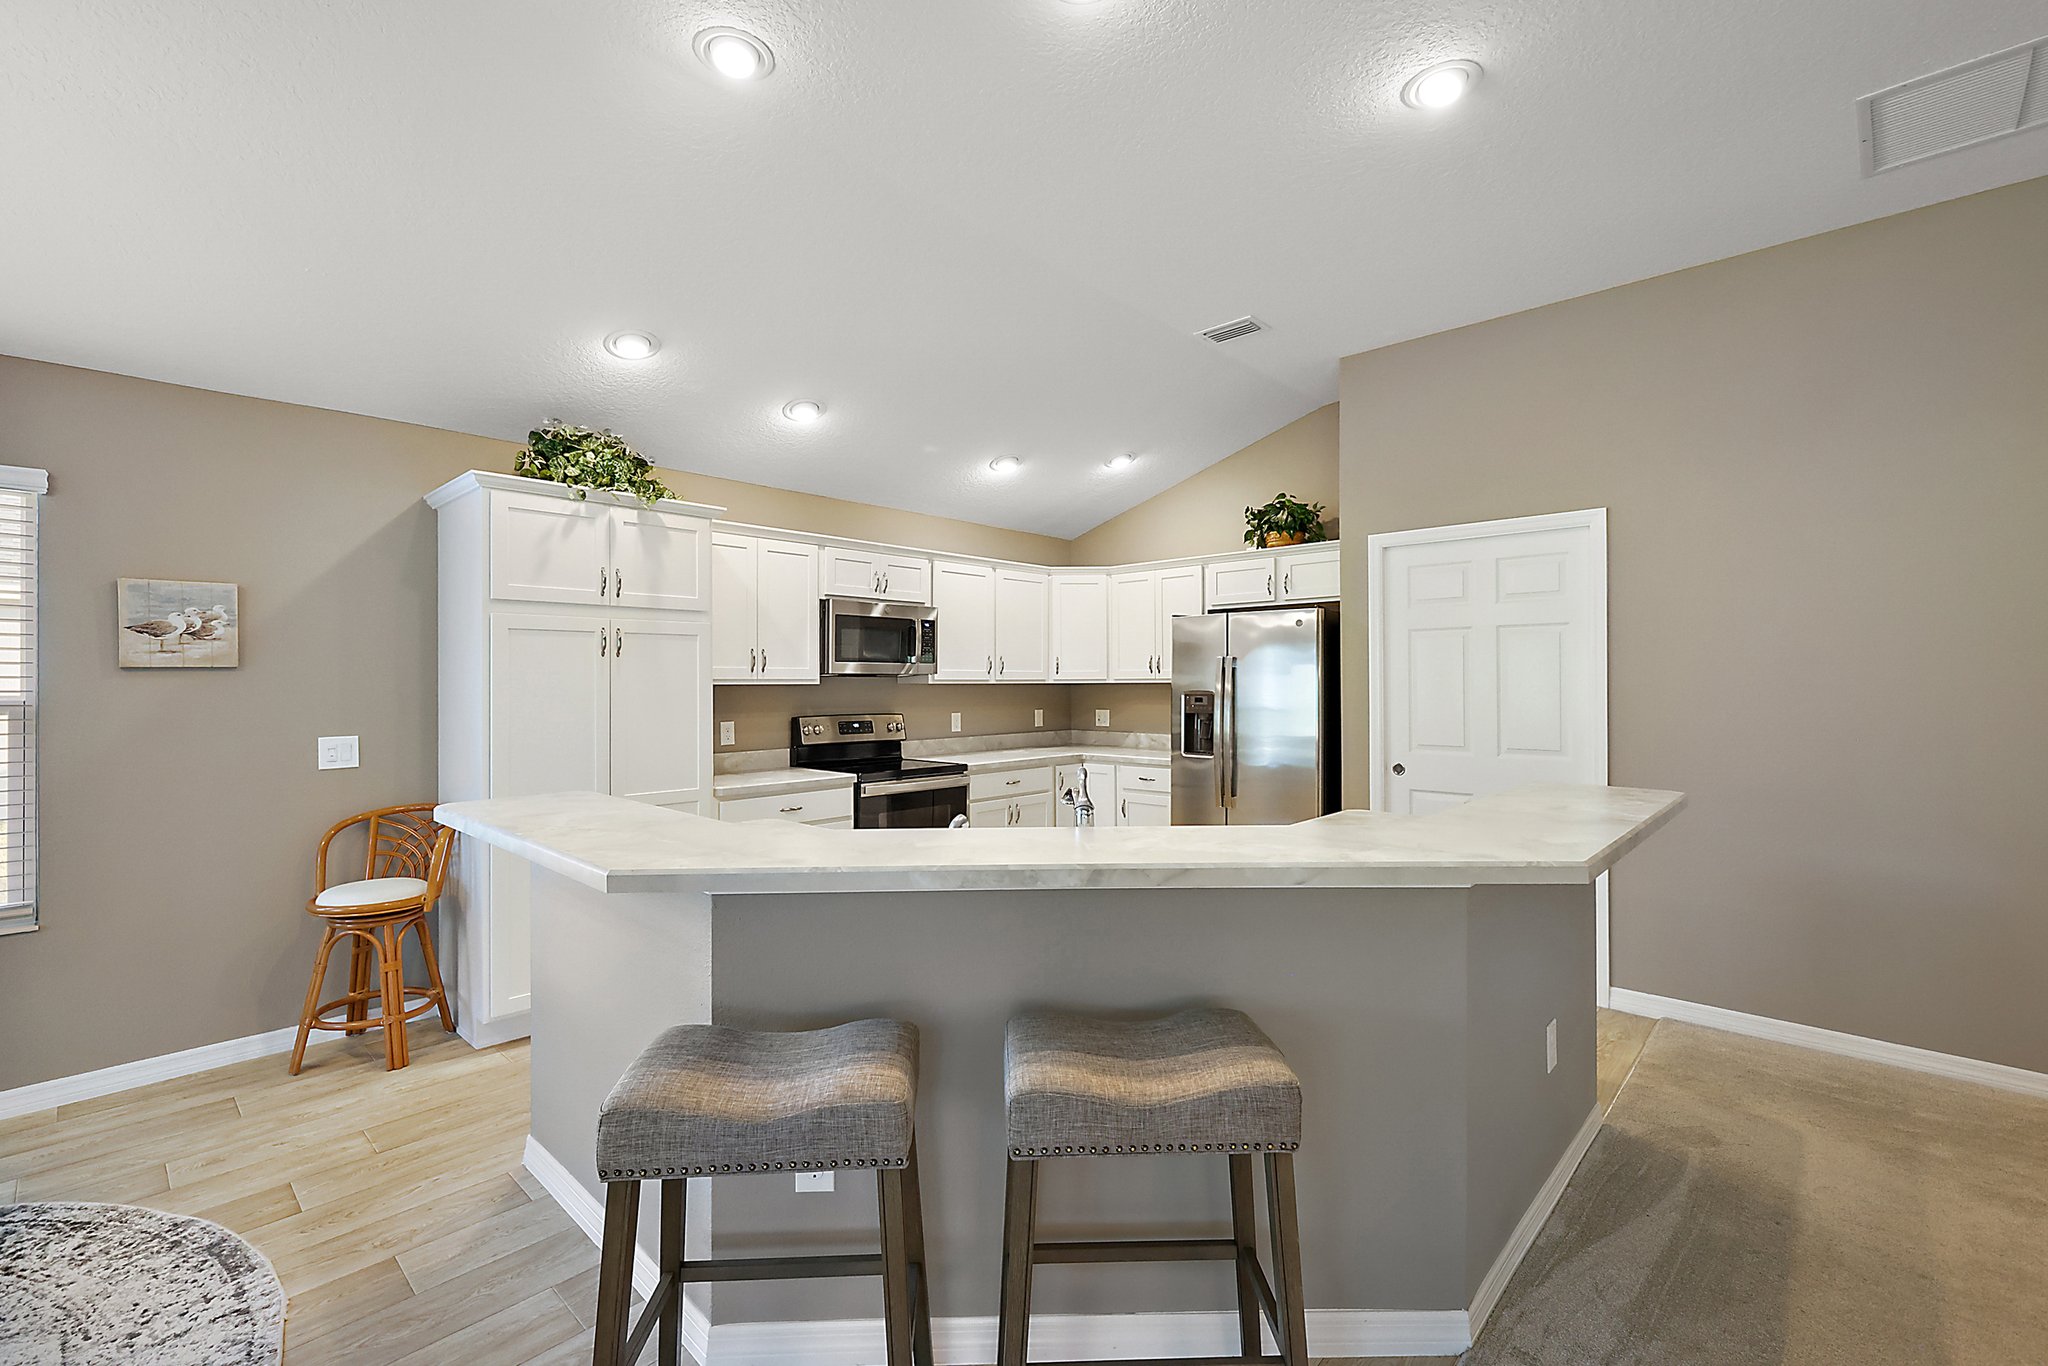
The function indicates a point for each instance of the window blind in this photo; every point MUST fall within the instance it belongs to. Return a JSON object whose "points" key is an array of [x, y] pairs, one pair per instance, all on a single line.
{"points": [[20, 499]]}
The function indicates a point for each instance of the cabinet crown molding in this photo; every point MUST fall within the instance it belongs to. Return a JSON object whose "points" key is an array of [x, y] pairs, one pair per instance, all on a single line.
{"points": [[472, 480]]}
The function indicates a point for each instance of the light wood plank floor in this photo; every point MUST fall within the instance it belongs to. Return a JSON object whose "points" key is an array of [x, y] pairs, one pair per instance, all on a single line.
{"points": [[393, 1205]]}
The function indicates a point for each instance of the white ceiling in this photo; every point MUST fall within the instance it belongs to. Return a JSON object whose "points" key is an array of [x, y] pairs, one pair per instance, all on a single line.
{"points": [[969, 227]]}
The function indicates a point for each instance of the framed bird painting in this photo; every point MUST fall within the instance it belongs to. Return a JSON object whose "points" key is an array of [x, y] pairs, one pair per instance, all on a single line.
{"points": [[177, 624]]}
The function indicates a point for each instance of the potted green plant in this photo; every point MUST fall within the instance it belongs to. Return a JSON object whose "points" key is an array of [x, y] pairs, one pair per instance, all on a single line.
{"points": [[1284, 521], [586, 460]]}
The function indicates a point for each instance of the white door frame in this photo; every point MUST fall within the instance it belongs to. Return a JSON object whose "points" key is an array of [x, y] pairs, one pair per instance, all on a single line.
{"points": [[1376, 548]]}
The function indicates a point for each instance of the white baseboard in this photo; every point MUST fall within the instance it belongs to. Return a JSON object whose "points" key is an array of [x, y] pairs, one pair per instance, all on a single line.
{"points": [[1503, 1268], [48, 1095], [491, 1033], [1831, 1041], [969, 1339]]}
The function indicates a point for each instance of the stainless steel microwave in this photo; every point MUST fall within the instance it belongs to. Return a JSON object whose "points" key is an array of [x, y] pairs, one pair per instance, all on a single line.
{"points": [[893, 639]]}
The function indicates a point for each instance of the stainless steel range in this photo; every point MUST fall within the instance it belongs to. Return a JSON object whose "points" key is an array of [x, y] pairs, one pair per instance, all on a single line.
{"points": [[889, 791]]}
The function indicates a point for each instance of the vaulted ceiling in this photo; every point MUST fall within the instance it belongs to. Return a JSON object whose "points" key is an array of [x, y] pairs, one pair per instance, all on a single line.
{"points": [[968, 229]]}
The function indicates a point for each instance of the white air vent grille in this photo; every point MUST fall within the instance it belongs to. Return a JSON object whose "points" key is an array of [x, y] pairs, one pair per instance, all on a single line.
{"points": [[1231, 331], [1991, 97]]}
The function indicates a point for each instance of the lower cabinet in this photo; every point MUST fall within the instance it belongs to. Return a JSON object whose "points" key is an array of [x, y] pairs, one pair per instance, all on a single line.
{"points": [[831, 807], [1010, 798], [1101, 791], [1144, 796]]}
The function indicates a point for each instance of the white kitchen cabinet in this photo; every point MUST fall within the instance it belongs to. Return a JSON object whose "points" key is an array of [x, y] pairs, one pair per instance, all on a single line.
{"points": [[830, 807], [764, 609], [965, 596], [609, 692], [1143, 604], [867, 572], [1011, 798], [1101, 791], [1023, 626], [1144, 781], [1080, 628], [1035, 811], [553, 547], [1310, 576], [1243, 582], [1145, 808]]}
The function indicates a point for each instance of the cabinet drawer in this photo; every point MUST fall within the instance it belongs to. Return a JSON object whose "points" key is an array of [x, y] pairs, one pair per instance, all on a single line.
{"points": [[1011, 782], [831, 804], [1132, 780]]}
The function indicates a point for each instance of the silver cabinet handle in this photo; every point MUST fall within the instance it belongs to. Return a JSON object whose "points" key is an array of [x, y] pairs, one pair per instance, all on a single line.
{"points": [[885, 583], [764, 659], [1013, 782], [1124, 810], [1000, 665], [1055, 666], [604, 581], [1269, 585], [618, 643], [1287, 583], [751, 666], [787, 809], [618, 585], [604, 643], [991, 666]]}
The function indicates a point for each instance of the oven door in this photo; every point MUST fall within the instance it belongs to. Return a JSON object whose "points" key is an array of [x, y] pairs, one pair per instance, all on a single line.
{"points": [[887, 638], [910, 803]]}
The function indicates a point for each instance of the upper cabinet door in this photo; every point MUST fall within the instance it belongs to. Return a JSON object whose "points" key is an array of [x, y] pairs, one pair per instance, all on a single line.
{"points": [[1023, 626], [1080, 628], [1248, 582], [661, 712], [735, 593], [848, 573], [786, 619], [964, 596], [549, 549], [1310, 576], [906, 578], [1180, 595], [1134, 626], [660, 559]]}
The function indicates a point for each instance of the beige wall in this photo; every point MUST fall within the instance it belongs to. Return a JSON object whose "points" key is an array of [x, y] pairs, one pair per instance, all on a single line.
{"points": [[180, 810], [1826, 469], [1204, 515]]}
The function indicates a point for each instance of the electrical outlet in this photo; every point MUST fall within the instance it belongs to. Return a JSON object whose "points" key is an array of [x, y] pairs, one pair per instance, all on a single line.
{"points": [[807, 1182], [1102, 718], [725, 736], [337, 751], [1038, 716], [956, 723], [1550, 1046]]}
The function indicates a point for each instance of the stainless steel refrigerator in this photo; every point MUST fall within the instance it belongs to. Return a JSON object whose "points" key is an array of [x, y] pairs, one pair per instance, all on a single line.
{"points": [[1255, 716]]}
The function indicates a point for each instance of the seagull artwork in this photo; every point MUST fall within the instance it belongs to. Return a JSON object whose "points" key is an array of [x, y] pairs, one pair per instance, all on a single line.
{"points": [[177, 624], [202, 630], [217, 615]]}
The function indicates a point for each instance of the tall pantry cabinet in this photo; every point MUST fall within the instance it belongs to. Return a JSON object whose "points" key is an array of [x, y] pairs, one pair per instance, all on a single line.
{"points": [[575, 655]]}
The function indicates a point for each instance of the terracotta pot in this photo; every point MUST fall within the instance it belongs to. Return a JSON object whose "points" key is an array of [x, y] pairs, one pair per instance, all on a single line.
{"points": [[1280, 538]]}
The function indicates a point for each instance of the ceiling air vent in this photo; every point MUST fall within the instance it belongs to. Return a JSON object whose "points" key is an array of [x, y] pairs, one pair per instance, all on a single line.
{"points": [[1991, 97], [1231, 331]]}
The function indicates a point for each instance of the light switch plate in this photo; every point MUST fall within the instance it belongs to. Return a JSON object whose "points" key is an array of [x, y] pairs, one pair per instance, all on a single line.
{"points": [[807, 1182], [338, 751], [1038, 716], [956, 722], [1550, 1046], [1102, 717], [725, 736]]}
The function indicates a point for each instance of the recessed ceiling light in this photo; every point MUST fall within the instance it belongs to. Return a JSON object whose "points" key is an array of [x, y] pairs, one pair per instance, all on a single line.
{"points": [[632, 345], [1120, 462], [734, 54], [1441, 86], [803, 411], [1006, 464]]}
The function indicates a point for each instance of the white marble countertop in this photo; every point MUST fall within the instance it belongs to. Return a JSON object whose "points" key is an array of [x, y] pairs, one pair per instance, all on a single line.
{"points": [[776, 782], [997, 760], [1532, 835]]}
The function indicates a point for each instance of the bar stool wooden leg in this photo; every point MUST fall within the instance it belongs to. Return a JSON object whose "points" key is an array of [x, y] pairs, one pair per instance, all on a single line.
{"points": [[674, 1197], [426, 938], [359, 975], [1293, 1330], [895, 1266], [1020, 1219], [1244, 1229], [391, 965], [615, 1272], [921, 1281], [312, 997]]}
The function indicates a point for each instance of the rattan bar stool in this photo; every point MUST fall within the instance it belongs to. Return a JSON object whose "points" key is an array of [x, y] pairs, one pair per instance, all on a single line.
{"points": [[403, 873], [709, 1101], [1201, 1081]]}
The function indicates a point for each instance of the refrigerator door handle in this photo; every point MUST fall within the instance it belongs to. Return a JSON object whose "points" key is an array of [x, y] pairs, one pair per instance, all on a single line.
{"points": [[1226, 733]]}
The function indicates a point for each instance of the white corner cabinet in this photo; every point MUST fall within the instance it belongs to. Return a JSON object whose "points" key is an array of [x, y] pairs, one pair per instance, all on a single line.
{"points": [[1296, 574], [575, 654], [764, 610], [1142, 606]]}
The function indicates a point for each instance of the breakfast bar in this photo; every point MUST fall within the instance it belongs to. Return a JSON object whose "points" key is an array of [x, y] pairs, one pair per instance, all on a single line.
{"points": [[1431, 980]]}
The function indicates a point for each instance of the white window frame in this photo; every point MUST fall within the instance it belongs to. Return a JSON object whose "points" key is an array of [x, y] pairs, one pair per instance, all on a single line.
{"points": [[21, 917]]}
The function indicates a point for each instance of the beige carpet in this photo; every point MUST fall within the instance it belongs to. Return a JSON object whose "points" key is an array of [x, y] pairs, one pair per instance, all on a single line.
{"points": [[1749, 1202]]}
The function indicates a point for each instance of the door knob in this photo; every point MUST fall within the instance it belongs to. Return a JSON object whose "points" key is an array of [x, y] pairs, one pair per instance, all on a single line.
{"points": [[1399, 769]]}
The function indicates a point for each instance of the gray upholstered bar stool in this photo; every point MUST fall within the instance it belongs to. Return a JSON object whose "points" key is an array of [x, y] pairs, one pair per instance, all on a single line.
{"points": [[709, 1101], [1201, 1081]]}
